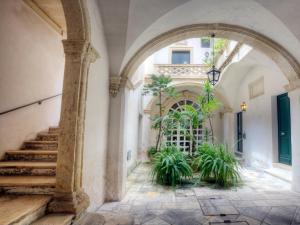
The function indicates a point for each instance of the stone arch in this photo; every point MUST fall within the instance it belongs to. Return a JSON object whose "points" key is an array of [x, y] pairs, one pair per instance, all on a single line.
{"points": [[167, 103], [284, 59]]}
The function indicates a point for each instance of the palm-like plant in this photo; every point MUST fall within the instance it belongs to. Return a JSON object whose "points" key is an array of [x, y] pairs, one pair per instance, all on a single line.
{"points": [[215, 163], [159, 87], [170, 166]]}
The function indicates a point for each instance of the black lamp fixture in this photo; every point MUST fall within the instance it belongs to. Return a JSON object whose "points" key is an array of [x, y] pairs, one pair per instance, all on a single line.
{"points": [[213, 74]]}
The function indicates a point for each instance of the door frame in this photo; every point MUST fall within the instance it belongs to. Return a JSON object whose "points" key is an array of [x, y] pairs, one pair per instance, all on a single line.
{"points": [[279, 131]]}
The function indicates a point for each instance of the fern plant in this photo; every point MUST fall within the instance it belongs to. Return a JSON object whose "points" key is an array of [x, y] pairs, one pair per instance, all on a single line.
{"points": [[215, 163], [170, 166]]}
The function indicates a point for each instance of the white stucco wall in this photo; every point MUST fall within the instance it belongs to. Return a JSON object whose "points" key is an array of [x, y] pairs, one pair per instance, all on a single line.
{"points": [[260, 119], [96, 123], [131, 128], [31, 68]]}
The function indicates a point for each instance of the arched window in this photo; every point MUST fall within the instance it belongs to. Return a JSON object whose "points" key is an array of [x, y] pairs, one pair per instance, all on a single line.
{"points": [[178, 135]]}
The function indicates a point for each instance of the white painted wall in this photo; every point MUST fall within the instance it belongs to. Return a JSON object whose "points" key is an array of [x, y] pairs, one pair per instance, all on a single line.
{"points": [[96, 123], [260, 119], [31, 68]]}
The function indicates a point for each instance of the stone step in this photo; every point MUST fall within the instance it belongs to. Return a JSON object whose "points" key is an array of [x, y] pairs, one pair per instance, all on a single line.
{"points": [[43, 136], [41, 145], [54, 129], [55, 219], [8, 168], [27, 181], [22, 210], [31, 155]]}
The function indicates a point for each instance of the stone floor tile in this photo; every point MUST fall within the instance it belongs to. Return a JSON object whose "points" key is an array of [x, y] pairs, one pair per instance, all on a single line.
{"points": [[242, 203], [155, 204], [218, 210], [257, 213], [249, 220], [183, 217], [280, 216], [156, 221]]}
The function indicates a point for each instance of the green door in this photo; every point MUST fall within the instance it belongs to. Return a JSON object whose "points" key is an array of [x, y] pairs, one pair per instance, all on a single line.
{"points": [[284, 129], [240, 132]]}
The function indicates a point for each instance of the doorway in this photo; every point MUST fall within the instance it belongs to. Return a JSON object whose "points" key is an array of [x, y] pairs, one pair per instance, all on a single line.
{"points": [[284, 129], [240, 132]]}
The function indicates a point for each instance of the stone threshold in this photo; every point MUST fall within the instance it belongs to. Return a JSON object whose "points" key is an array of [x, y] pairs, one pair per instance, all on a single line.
{"points": [[281, 171]]}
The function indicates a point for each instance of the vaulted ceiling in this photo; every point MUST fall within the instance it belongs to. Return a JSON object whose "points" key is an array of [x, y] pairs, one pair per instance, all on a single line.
{"points": [[129, 24]]}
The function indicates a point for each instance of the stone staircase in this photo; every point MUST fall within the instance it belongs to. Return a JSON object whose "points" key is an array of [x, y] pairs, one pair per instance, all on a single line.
{"points": [[32, 168], [29, 210], [27, 180]]}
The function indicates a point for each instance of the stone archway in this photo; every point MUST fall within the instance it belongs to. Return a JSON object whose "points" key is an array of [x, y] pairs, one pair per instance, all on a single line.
{"points": [[79, 53], [285, 60]]}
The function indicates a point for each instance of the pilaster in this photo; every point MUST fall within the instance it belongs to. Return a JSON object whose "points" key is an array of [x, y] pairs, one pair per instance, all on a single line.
{"points": [[69, 196], [116, 156]]}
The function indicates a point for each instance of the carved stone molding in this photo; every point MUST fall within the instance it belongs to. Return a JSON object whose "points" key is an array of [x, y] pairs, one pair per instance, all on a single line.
{"points": [[227, 109], [231, 56], [293, 85], [283, 58]]}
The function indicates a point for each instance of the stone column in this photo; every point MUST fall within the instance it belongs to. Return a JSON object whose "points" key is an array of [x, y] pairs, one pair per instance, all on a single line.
{"points": [[69, 196], [229, 129], [116, 155], [295, 135]]}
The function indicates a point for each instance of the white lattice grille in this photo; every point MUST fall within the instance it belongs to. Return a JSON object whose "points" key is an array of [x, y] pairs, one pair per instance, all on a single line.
{"points": [[178, 135]]}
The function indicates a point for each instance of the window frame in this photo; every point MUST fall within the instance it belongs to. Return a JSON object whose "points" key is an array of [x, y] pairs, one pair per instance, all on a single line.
{"points": [[181, 49], [205, 38]]}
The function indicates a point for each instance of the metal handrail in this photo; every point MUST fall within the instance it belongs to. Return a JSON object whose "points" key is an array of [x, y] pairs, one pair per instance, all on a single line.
{"points": [[29, 104]]}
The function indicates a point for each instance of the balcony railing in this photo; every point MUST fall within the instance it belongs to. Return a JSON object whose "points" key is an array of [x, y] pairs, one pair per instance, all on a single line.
{"points": [[182, 70]]}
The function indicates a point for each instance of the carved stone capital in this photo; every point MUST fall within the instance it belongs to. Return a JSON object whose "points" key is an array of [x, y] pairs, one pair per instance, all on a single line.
{"points": [[115, 83], [227, 110], [75, 203], [75, 47], [293, 84], [79, 48]]}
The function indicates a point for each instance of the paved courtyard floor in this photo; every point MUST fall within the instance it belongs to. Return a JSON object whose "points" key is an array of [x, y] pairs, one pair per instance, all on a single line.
{"points": [[262, 200]]}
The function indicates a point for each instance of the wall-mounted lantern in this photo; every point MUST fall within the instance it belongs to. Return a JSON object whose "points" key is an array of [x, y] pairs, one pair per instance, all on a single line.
{"points": [[244, 107]]}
